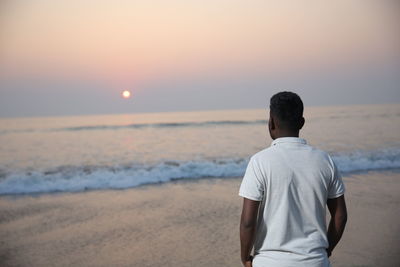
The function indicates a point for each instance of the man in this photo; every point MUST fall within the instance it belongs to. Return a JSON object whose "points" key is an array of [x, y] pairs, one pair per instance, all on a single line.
{"points": [[286, 189]]}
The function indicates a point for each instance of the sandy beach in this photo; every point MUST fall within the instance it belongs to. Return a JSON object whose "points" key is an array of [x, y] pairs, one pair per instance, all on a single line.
{"points": [[184, 223]]}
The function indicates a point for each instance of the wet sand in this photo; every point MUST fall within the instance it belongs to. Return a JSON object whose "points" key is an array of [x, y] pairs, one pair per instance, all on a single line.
{"points": [[185, 223]]}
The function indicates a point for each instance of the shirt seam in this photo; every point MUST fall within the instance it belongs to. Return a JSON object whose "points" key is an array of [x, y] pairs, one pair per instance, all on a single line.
{"points": [[251, 197]]}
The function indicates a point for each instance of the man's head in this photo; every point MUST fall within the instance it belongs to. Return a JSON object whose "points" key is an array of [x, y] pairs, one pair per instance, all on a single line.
{"points": [[286, 115]]}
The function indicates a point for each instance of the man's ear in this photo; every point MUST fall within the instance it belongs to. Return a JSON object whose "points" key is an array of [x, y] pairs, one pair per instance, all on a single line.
{"points": [[271, 123], [302, 121]]}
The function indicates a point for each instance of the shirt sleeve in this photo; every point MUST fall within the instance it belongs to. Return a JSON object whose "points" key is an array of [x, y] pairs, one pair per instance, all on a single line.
{"points": [[252, 183], [336, 187]]}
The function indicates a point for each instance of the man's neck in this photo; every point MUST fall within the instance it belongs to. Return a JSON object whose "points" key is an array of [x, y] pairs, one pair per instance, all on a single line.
{"points": [[287, 134]]}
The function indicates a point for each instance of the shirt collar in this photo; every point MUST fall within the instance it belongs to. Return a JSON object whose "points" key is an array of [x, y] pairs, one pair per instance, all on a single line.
{"points": [[288, 140]]}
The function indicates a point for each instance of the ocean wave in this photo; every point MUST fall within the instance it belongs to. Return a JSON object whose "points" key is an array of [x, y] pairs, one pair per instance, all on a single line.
{"points": [[75, 179], [160, 125], [359, 161], [138, 126]]}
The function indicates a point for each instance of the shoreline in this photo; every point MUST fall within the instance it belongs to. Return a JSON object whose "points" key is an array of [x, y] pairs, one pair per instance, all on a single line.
{"points": [[141, 186], [185, 222]]}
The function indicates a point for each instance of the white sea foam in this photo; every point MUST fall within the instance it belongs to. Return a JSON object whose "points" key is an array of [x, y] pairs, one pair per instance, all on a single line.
{"points": [[75, 179]]}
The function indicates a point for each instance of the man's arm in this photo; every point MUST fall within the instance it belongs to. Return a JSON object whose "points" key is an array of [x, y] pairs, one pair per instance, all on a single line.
{"points": [[248, 223], [338, 211]]}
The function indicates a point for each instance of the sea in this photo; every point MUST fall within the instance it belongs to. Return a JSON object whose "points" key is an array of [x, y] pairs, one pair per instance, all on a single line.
{"points": [[108, 152]]}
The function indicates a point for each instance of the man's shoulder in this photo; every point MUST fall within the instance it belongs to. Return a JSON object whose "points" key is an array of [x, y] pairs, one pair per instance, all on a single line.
{"points": [[271, 151], [322, 154], [263, 153], [318, 151], [264, 156]]}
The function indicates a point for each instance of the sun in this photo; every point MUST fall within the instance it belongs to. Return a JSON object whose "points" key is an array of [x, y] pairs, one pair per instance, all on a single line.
{"points": [[126, 94]]}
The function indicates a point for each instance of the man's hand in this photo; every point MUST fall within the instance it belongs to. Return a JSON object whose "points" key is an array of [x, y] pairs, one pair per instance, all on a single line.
{"points": [[249, 262], [329, 252]]}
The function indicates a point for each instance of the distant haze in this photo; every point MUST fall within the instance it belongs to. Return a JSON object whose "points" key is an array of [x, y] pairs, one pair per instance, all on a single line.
{"points": [[76, 57]]}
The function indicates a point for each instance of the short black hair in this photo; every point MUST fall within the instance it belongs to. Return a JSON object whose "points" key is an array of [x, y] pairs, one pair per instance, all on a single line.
{"points": [[288, 108]]}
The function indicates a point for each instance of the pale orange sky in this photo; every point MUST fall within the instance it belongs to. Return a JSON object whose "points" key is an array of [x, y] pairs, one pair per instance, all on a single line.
{"points": [[119, 44]]}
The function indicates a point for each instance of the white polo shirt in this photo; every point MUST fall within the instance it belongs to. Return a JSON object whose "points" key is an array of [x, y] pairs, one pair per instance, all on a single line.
{"points": [[293, 182]]}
